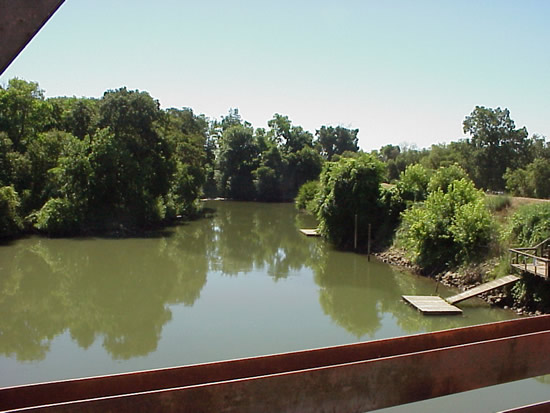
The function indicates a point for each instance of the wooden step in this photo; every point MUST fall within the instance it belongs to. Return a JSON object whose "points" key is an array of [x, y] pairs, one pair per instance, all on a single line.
{"points": [[483, 288]]}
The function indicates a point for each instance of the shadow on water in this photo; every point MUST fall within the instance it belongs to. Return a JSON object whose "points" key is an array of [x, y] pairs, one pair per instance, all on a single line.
{"points": [[119, 291], [112, 290]]}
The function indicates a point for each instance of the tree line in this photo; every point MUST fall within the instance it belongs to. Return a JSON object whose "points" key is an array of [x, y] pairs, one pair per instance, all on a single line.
{"points": [[121, 163], [496, 155], [75, 165]]}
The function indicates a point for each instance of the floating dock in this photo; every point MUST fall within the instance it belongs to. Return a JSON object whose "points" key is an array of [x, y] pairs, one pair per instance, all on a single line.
{"points": [[311, 232], [431, 304]]}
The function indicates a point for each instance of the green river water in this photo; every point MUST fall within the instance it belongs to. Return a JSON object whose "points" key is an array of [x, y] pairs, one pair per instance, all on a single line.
{"points": [[241, 282]]}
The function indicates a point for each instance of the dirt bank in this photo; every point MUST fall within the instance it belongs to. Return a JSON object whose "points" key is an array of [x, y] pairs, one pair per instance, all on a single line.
{"points": [[463, 279]]}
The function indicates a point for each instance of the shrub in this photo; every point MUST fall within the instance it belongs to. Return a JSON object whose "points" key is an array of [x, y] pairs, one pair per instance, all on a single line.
{"points": [[444, 176], [413, 183], [58, 217], [448, 228], [306, 196], [10, 221], [530, 224]]}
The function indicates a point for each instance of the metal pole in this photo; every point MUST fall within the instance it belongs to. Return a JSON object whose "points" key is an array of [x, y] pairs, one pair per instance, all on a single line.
{"points": [[368, 245], [355, 234]]}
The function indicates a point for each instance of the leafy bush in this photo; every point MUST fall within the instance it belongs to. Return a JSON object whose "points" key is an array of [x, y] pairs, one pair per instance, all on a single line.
{"points": [[10, 221], [349, 187], [531, 181], [530, 224], [444, 176], [306, 196], [448, 228], [413, 183], [58, 217]]}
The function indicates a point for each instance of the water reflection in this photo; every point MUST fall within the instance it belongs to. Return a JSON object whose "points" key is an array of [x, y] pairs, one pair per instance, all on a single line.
{"points": [[119, 292], [251, 236], [116, 290]]}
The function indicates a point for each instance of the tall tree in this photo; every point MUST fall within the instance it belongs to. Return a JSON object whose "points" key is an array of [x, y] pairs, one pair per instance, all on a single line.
{"points": [[335, 141], [23, 112], [291, 138], [496, 144], [238, 158]]}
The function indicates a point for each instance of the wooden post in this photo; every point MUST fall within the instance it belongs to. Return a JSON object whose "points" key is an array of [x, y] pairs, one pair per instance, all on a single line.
{"points": [[368, 246], [355, 234]]}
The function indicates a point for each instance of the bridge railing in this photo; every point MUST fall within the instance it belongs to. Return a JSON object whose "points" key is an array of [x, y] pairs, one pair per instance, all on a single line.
{"points": [[350, 378]]}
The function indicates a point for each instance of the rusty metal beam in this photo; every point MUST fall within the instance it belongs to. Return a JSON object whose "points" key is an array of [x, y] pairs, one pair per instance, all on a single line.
{"points": [[356, 377], [20, 20], [543, 407]]}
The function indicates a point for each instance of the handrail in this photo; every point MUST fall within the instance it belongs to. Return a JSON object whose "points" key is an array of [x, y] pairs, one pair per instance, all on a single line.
{"points": [[543, 259], [542, 243]]}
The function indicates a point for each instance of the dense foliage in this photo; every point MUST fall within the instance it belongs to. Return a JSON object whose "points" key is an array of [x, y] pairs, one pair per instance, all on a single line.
{"points": [[349, 188], [307, 196], [73, 165], [448, 229], [530, 224]]}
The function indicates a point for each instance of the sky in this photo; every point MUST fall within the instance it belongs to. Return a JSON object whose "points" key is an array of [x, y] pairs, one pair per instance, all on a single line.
{"points": [[402, 72]]}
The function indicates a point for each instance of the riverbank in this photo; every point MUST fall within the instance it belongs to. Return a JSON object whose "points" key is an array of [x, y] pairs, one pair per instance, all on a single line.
{"points": [[463, 278]]}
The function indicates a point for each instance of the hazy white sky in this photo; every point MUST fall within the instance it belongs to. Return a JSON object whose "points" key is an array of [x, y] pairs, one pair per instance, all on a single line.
{"points": [[399, 71]]}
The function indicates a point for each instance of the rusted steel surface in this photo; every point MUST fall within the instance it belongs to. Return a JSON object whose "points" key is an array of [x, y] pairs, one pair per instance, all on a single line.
{"points": [[543, 407], [355, 377], [20, 20], [353, 387]]}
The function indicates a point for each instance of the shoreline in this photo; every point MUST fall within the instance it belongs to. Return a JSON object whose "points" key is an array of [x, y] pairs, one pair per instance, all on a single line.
{"points": [[461, 280]]}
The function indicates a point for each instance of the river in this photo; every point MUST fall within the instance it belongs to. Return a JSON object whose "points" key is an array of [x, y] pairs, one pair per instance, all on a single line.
{"points": [[240, 282]]}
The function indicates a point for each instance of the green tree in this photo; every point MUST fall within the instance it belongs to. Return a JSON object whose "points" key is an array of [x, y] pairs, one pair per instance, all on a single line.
{"points": [[238, 158], [349, 187], [335, 141], [291, 138], [413, 183], [10, 221], [23, 112], [445, 176], [496, 145], [307, 196], [300, 167]]}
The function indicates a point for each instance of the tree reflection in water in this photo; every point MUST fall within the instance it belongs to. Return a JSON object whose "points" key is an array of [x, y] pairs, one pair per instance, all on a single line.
{"points": [[120, 291], [115, 289]]}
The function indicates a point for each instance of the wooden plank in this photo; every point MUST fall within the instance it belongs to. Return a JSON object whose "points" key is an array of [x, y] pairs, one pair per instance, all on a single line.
{"points": [[539, 269], [483, 288], [310, 232], [431, 304]]}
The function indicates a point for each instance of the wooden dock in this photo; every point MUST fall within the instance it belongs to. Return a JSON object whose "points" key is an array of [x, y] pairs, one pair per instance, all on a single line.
{"points": [[533, 260], [310, 232], [532, 268], [483, 288], [431, 304]]}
